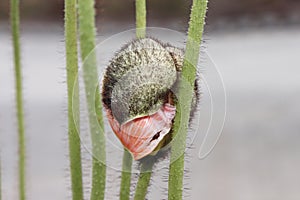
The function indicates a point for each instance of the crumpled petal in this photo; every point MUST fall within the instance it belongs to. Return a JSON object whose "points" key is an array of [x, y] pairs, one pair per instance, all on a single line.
{"points": [[142, 135]]}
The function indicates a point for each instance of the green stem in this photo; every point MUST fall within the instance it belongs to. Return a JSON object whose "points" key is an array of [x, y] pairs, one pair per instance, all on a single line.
{"points": [[144, 180], [73, 98], [126, 176], [185, 94], [140, 7], [146, 167], [87, 44], [15, 21]]}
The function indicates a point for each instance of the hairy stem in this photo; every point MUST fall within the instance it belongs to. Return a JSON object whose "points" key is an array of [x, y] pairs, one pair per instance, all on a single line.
{"points": [[87, 44], [15, 23], [185, 95], [146, 167], [73, 98], [140, 7], [126, 176], [144, 179]]}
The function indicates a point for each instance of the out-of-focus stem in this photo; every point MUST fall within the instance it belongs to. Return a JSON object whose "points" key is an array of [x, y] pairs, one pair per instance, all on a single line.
{"points": [[87, 32], [15, 27], [140, 7]]}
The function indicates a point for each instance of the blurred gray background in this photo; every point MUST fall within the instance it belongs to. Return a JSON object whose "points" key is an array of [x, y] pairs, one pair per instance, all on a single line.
{"points": [[255, 45], [230, 10]]}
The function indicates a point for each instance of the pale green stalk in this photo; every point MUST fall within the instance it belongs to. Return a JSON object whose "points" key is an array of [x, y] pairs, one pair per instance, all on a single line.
{"points": [[87, 32], [15, 21], [140, 7], [144, 179], [126, 176], [73, 98], [185, 95]]}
